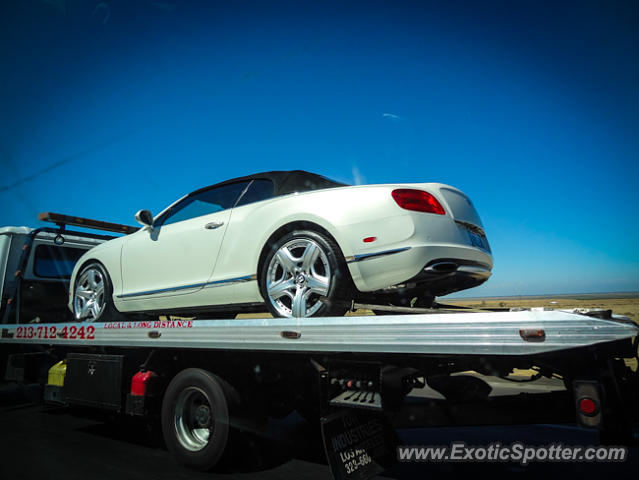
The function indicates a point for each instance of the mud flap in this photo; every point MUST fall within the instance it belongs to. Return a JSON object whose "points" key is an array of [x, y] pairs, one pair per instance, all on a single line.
{"points": [[359, 445]]}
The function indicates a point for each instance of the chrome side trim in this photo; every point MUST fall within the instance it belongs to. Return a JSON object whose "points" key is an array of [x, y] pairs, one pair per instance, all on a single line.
{"points": [[161, 290], [367, 256], [216, 283]]}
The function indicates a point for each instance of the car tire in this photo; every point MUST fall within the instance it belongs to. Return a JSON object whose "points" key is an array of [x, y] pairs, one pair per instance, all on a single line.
{"points": [[195, 419], [301, 267], [93, 295]]}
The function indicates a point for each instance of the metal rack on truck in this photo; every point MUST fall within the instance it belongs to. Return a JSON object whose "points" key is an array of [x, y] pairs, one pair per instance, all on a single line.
{"points": [[202, 378]]}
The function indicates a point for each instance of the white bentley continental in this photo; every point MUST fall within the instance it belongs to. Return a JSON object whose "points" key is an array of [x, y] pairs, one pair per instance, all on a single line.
{"points": [[294, 242]]}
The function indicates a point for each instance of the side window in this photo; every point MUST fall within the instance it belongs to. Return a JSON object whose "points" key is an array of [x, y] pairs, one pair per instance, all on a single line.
{"points": [[257, 190], [55, 262], [205, 203]]}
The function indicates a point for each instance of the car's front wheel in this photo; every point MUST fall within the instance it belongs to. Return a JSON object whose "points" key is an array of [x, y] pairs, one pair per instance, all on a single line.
{"points": [[302, 267], [92, 295]]}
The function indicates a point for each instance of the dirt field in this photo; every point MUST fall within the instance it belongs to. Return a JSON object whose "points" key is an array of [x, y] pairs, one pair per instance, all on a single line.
{"points": [[622, 306]]}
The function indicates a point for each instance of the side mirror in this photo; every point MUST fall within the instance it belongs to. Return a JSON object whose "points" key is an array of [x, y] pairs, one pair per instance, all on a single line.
{"points": [[144, 217]]}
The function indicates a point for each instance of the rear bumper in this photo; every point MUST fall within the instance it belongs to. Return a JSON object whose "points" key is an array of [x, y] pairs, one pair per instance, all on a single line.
{"points": [[458, 275], [410, 263]]}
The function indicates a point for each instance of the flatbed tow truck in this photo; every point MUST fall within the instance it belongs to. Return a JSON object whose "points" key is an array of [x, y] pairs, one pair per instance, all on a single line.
{"points": [[204, 379]]}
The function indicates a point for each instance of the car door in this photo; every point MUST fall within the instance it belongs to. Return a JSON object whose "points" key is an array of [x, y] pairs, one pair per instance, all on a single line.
{"points": [[178, 255], [242, 236]]}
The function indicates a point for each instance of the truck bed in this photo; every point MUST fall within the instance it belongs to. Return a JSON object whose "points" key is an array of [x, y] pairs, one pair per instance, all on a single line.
{"points": [[484, 333]]}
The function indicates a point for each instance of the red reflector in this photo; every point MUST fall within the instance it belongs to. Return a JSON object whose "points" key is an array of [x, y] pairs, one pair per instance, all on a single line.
{"points": [[291, 335], [532, 335], [140, 383], [370, 239], [588, 406], [417, 200]]}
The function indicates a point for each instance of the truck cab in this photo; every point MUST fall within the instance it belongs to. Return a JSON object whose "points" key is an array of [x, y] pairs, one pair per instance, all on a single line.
{"points": [[36, 266]]}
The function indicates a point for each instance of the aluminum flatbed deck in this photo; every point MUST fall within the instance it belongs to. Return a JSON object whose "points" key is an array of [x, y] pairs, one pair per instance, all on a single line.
{"points": [[485, 333]]}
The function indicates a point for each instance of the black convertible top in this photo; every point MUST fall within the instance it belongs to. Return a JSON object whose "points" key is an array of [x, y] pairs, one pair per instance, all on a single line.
{"points": [[285, 182]]}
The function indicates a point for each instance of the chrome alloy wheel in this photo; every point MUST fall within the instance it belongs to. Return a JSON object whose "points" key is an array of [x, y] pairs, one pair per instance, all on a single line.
{"points": [[297, 276], [193, 419], [88, 299]]}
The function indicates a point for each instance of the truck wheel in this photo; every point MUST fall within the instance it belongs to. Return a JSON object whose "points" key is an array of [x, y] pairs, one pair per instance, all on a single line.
{"points": [[195, 419], [93, 295], [301, 267]]}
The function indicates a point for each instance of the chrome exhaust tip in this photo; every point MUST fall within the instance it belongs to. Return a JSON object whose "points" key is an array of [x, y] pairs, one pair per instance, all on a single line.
{"points": [[442, 267]]}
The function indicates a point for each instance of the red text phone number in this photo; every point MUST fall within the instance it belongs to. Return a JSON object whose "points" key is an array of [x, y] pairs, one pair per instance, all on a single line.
{"points": [[51, 333]]}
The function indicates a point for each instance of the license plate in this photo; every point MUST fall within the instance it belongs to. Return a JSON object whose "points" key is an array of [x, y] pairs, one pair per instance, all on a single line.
{"points": [[477, 240]]}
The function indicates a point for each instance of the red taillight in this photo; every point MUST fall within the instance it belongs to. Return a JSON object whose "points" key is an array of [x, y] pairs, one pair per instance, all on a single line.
{"points": [[588, 406], [417, 200]]}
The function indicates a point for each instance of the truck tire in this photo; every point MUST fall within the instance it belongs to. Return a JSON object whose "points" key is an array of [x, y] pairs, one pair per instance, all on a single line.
{"points": [[195, 418]]}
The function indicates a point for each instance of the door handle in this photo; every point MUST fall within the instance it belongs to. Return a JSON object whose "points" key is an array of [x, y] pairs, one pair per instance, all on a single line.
{"points": [[213, 225]]}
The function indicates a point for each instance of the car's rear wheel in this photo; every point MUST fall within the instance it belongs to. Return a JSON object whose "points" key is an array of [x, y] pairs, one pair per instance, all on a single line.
{"points": [[302, 267], [92, 295]]}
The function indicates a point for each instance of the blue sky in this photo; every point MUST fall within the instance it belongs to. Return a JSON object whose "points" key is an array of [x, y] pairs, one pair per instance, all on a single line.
{"points": [[531, 108]]}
